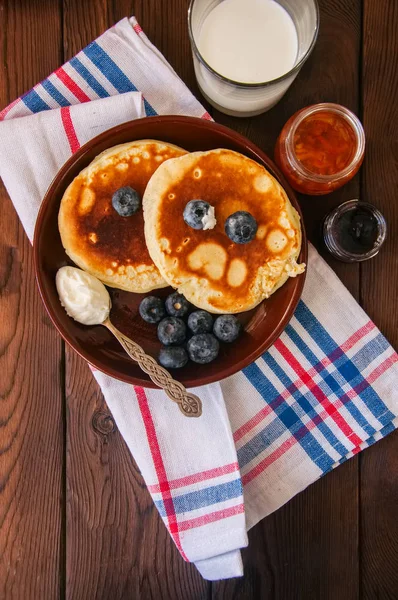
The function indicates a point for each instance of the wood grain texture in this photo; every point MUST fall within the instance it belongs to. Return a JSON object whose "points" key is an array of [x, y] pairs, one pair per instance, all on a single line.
{"points": [[379, 473], [380, 169], [308, 549], [31, 399], [294, 552], [82, 22], [117, 545]]}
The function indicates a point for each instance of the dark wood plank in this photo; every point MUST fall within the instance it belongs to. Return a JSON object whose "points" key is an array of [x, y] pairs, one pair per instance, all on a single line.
{"points": [[82, 23], [309, 548], [117, 545], [300, 550], [31, 390], [379, 481], [380, 80], [378, 524]]}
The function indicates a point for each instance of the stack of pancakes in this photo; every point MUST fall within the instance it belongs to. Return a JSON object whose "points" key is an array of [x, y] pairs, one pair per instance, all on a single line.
{"points": [[155, 248]]}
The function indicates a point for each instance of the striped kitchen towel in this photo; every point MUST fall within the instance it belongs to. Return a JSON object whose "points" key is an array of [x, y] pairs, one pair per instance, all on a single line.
{"points": [[322, 393]]}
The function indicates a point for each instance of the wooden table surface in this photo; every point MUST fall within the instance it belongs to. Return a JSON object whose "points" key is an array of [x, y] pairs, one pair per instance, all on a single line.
{"points": [[76, 520]]}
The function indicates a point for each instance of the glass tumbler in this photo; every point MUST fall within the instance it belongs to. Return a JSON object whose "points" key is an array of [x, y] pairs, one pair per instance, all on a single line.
{"points": [[249, 99]]}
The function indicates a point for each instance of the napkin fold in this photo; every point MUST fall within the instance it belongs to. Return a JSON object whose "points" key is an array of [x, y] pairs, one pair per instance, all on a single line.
{"points": [[322, 393]]}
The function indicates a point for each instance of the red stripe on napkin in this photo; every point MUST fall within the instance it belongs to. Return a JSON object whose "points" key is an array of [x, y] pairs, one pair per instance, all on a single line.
{"points": [[211, 517], [357, 336], [69, 129], [378, 371], [7, 109], [71, 85], [159, 468], [196, 477]]}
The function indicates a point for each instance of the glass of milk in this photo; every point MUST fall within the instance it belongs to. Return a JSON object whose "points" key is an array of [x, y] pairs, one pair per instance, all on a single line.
{"points": [[248, 52]]}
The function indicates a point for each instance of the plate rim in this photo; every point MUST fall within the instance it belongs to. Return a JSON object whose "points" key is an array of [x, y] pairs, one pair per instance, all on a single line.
{"points": [[201, 123]]}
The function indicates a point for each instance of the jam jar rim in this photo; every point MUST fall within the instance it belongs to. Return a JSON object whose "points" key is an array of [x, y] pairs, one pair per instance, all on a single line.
{"points": [[335, 249], [352, 120]]}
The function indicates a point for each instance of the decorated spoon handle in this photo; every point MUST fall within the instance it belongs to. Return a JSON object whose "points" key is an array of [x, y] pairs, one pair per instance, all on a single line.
{"points": [[189, 404]]}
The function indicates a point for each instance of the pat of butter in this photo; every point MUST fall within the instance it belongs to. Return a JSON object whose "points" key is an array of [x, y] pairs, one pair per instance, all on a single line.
{"points": [[209, 220]]}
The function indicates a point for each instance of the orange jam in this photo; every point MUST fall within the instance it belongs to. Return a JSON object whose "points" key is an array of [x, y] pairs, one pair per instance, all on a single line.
{"points": [[320, 148], [324, 143]]}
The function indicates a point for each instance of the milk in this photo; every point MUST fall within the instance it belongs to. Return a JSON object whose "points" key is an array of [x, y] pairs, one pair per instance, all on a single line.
{"points": [[250, 41], [246, 41]]}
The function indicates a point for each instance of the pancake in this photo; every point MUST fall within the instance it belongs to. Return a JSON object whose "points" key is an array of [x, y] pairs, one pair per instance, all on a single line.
{"points": [[94, 235], [213, 272]]}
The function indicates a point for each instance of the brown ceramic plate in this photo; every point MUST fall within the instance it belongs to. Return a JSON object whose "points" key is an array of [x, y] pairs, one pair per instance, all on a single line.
{"points": [[262, 325]]}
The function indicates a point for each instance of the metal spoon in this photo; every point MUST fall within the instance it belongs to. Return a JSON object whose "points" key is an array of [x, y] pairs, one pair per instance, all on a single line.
{"points": [[189, 404], [87, 300]]}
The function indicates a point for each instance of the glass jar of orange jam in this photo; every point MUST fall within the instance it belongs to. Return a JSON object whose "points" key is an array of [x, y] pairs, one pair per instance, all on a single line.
{"points": [[320, 148]]}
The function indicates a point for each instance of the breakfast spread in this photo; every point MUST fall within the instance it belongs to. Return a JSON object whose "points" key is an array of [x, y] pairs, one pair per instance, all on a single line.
{"points": [[214, 225], [253, 247], [101, 220]]}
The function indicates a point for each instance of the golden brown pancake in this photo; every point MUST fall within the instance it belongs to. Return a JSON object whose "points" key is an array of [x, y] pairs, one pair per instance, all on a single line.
{"points": [[213, 272], [94, 235]]}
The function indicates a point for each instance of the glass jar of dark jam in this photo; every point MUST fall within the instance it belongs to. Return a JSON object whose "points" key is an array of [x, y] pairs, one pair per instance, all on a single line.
{"points": [[354, 231]]}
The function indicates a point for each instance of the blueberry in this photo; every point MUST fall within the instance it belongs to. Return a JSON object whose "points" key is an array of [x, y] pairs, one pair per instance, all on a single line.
{"points": [[200, 321], [126, 201], [171, 330], [152, 309], [194, 212], [227, 328], [173, 357], [241, 227], [203, 348], [177, 305]]}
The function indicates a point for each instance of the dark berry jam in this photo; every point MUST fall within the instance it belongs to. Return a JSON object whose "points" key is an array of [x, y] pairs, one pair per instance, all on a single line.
{"points": [[357, 231], [354, 231]]}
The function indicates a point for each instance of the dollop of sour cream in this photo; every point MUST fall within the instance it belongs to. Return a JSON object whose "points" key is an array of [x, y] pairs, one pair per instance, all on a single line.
{"points": [[83, 296], [209, 220]]}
